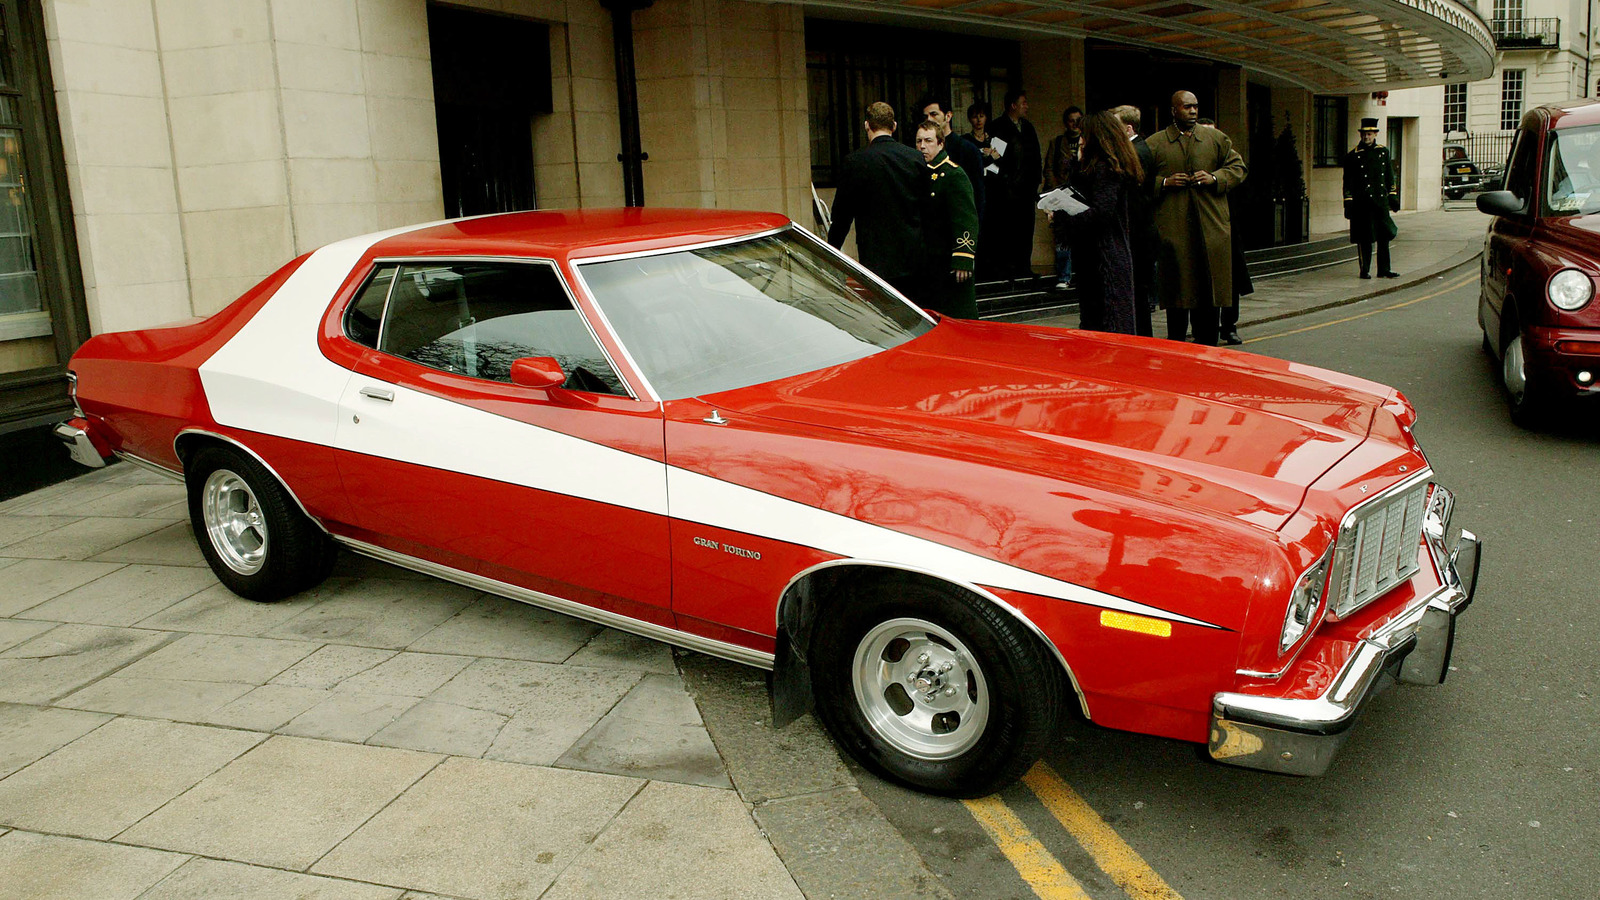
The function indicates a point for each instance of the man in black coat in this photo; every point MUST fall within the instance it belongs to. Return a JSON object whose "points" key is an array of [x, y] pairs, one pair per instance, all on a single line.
{"points": [[1020, 167], [1141, 224], [1370, 195], [964, 153], [882, 186]]}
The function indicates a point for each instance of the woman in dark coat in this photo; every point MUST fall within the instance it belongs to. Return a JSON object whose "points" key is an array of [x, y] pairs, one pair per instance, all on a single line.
{"points": [[1107, 176]]}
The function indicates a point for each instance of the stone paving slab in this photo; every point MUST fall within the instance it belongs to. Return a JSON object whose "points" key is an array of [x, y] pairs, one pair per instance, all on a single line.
{"points": [[720, 858], [495, 626], [165, 545], [351, 717], [28, 733], [163, 698], [406, 675], [17, 528], [211, 879], [377, 613], [479, 828], [137, 500], [217, 610], [64, 659], [612, 649], [116, 775], [442, 728], [15, 631], [30, 582], [284, 804], [214, 657], [85, 538], [125, 596], [331, 665], [49, 867]]}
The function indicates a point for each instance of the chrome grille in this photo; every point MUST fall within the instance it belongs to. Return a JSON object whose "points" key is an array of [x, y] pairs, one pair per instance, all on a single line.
{"points": [[1378, 547]]}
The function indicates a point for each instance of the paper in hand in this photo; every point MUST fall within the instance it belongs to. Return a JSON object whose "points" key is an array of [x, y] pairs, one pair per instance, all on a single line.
{"points": [[1063, 200]]}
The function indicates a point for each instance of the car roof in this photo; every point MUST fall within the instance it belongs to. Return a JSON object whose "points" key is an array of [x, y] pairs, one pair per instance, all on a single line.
{"points": [[1574, 114], [574, 233]]}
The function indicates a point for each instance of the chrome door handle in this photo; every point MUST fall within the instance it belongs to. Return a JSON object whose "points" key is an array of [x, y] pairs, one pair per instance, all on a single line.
{"points": [[383, 394]]}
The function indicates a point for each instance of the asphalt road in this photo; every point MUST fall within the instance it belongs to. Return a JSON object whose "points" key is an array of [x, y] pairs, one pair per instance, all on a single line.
{"points": [[1483, 787]]}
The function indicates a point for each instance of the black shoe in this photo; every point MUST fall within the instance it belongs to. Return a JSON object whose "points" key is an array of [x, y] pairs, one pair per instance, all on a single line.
{"points": [[1232, 338], [1365, 275], [1388, 274]]}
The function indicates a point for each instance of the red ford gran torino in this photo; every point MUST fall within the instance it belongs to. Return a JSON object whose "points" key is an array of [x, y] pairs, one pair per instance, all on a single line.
{"points": [[711, 429]]}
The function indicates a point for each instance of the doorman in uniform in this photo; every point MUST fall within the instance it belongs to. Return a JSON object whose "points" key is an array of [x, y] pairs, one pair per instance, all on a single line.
{"points": [[1370, 194]]}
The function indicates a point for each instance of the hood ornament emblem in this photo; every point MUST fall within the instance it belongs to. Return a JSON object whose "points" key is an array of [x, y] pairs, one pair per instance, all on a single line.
{"points": [[716, 419]]}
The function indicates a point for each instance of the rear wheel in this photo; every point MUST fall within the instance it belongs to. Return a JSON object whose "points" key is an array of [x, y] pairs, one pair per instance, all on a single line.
{"points": [[933, 687], [256, 540]]}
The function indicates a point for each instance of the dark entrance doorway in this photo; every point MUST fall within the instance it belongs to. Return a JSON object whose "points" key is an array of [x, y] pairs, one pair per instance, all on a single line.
{"points": [[491, 75]]}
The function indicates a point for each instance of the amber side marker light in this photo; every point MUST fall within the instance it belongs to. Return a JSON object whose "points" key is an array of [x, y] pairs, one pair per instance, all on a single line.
{"points": [[1579, 348], [1140, 624]]}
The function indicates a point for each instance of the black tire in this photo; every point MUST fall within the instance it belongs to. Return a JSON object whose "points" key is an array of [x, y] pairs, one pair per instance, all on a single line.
{"points": [[1020, 680], [1528, 398], [1454, 195], [275, 550]]}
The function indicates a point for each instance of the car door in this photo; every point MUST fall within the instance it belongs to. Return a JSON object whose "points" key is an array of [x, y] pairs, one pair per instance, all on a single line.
{"points": [[561, 491], [1507, 234]]}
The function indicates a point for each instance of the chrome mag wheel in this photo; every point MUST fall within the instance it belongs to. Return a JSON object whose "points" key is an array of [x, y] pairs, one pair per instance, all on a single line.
{"points": [[920, 689], [234, 522]]}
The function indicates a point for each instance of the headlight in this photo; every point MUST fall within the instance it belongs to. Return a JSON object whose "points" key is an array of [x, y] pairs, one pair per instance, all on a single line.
{"points": [[1570, 289], [1304, 602]]}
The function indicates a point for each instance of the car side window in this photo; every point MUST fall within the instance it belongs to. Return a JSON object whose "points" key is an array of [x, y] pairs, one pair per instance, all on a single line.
{"points": [[475, 319], [366, 310], [1520, 173]]}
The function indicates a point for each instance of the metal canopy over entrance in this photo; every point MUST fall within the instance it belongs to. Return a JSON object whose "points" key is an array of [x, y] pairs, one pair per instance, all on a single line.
{"points": [[1326, 46]]}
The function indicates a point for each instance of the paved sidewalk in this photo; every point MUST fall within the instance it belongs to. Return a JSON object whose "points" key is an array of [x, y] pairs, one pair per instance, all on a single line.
{"points": [[384, 735], [1430, 243]]}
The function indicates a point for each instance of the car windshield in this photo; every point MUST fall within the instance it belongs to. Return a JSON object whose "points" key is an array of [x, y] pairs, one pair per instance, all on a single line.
{"points": [[716, 318], [1572, 172]]}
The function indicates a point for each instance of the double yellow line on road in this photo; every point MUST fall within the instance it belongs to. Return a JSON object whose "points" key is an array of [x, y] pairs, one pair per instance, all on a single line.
{"points": [[1438, 293], [1041, 870]]}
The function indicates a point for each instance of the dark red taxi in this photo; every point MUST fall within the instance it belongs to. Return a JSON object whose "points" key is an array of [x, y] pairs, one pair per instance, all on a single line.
{"points": [[1541, 259]]}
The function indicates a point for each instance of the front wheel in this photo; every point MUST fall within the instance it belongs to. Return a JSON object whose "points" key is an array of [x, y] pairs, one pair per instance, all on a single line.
{"points": [[251, 532], [933, 687], [1526, 394]]}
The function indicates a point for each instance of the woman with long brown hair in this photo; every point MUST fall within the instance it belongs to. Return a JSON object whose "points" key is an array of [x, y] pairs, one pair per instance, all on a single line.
{"points": [[1107, 175]]}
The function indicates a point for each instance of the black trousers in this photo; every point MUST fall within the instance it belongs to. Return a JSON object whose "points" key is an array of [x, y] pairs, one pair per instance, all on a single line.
{"points": [[1205, 324], [1365, 249], [1024, 216], [1229, 316]]}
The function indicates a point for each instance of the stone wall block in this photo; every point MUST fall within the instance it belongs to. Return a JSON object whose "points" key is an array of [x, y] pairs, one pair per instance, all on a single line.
{"points": [[232, 69], [589, 52], [323, 23], [558, 185], [398, 76], [125, 307], [141, 248], [751, 94], [208, 295], [552, 140], [309, 67], [99, 68], [409, 181], [319, 124], [403, 129], [332, 181], [396, 215], [186, 24], [594, 95], [244, 243], [395, 27], [597, 140], [220, 128], [232, 185], [115, 23], [113, 190], [110, 130], [323, 223], [601, 183]]}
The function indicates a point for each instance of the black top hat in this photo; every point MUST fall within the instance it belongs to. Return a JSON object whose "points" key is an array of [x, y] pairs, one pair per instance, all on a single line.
{"points": [[1369, 125]]}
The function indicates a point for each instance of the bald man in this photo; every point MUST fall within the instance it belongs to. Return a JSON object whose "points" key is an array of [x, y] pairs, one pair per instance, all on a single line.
{"points": [[1195, 167]]}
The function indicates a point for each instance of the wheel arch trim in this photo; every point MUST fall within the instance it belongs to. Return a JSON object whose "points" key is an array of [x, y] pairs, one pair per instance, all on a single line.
{"points": [[199, 433], [981, 592]]}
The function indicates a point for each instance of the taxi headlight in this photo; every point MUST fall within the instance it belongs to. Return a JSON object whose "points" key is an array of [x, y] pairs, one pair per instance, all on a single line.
{"points": [[1570, 289], [1304, 602]]}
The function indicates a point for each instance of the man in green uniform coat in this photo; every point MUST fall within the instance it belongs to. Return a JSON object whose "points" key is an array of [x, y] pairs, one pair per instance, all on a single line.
{"points": [[1195, 167], [950, 228], [1370, 194]]}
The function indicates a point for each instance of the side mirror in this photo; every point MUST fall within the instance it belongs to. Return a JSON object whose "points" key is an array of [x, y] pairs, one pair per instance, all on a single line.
{"points": [[1501, 203], [537, 372]]}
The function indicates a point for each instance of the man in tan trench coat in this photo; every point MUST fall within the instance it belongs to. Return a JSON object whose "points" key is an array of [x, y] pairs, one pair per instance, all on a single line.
{"points": [[1195, 167]]}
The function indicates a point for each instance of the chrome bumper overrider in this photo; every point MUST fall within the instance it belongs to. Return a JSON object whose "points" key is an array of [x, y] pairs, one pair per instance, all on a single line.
{"points": [[1301, 736], [79, 445]]}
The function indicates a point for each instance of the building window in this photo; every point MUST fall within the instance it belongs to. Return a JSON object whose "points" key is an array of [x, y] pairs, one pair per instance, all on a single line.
{"points": [[849, 65], [1332, 131], [1507, 11], [1455, 107], [1511, 99]]}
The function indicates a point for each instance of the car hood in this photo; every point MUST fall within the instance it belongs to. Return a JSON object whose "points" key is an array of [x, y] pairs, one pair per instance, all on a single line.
{"points": [[1580, 233], [1216, 431]]}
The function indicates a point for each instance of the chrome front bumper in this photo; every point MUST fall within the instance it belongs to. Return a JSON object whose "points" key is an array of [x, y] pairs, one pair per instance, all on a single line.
{"points": [[1301, 736]]}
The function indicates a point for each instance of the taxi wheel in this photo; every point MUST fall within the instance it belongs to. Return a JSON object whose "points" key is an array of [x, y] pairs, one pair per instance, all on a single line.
{"points": [[935, 688], [1526, 394], [251, 532]]}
